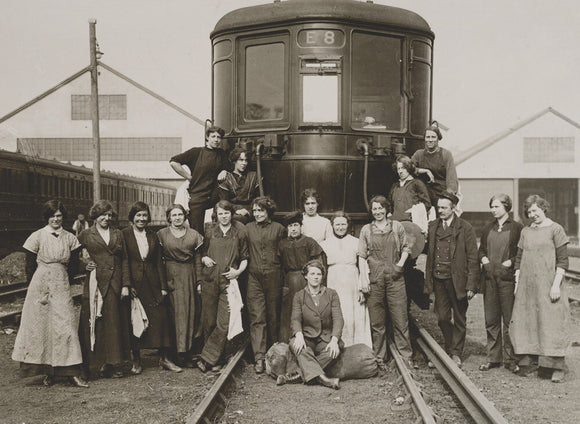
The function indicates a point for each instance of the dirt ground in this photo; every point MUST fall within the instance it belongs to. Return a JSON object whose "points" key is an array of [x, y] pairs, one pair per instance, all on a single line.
{"points": [[162, 397], [259, 400], [521, 400]]}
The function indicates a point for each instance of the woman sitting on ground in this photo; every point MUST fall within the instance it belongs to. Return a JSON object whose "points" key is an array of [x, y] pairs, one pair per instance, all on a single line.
{"points": [[316, 327]]}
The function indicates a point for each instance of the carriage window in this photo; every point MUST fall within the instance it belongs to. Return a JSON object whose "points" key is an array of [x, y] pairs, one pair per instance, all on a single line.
{"points": [[222, 94], [264, 82], [320, 91], [377, 101], [420, 81]]}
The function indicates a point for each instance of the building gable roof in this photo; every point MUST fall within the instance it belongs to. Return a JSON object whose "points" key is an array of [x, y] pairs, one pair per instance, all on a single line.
{"points": [[482, 145]]}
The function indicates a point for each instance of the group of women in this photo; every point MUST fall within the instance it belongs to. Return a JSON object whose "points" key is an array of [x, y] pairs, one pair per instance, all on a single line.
{"points": [[309, 283], [524, 298]]}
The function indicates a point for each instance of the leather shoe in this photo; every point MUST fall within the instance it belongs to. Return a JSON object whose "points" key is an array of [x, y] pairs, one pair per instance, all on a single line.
{"points": [[259, 366], [557, 376], [457, 360], [166, 364], [281, 380], [202, 365], [78, 382], [489, 365], [136, 369], [48, 381], [333, 383]]}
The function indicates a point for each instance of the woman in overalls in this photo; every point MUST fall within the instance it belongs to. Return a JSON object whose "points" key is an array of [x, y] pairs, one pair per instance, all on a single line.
{"points": [[225, 258], [384, 244]]}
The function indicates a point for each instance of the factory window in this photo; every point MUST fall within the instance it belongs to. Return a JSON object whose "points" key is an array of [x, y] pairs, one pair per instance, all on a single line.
{"points": [[377, 100], [111, 107], [549, 149], [263, 82], [112, 149]]}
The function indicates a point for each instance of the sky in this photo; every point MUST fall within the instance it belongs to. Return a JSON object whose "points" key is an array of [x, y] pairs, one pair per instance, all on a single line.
{"points": [[496, 62]]}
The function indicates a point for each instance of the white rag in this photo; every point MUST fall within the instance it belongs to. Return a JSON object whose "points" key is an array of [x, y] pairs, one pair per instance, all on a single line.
{"points": [[419, 217], [182, 195], [139, 320], [95, 303], [236, 304], [363, 273]]}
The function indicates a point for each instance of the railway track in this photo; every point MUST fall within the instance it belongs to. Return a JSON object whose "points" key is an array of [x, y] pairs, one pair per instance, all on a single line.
{"points": [[573, 275], [10, 292], [215, 401], [474, 402]]}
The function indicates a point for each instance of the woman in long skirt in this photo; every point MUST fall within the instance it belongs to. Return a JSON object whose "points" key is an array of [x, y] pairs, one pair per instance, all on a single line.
{"points": [[182, 258], [150, 286], [541, 315], [48, 342], [105, 311], [343, 276]]}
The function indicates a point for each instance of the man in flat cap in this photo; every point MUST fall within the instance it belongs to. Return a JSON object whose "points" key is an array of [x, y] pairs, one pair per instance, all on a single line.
{"points": [[451, 272]]}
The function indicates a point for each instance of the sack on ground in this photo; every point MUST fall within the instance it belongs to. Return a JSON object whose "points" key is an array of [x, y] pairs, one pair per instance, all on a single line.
{"points": [[355, 362], [280, 361]]}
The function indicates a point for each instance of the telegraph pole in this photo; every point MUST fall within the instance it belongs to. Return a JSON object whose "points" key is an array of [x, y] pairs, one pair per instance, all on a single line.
{"points": [[95, 112]]}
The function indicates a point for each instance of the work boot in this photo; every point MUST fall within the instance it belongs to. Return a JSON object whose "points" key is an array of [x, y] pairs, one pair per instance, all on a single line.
{"points": [[333, 383]]}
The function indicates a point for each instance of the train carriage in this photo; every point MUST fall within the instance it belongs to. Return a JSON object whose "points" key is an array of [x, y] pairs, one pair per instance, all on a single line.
{"points": [[325, 92], [27, 182]]}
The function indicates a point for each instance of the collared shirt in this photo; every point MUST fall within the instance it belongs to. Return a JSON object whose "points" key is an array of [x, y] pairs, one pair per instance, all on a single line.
{"points": [[500, 223], [52, 231], [263, 242], [448, 222], [142, 243], [316, 296], [105, 234]]}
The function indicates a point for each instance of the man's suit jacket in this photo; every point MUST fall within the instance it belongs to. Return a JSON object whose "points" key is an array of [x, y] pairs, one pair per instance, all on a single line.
{"points": [[464, 256], [324, 320], [111, 259]]}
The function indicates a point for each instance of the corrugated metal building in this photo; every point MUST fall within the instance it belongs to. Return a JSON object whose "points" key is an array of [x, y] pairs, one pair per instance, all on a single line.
{"points": [[540, 155], [140, 131]]}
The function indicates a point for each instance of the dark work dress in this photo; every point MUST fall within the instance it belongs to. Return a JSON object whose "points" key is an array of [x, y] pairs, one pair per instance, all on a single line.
{"points": [[112, 345], [441, 165], [240, 190], [294, 254], [148, 279]]}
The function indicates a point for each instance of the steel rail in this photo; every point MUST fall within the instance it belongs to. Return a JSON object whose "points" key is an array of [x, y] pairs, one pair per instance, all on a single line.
{"points": [[476, 404], [422, 409], [13, 289], [209, 403]]}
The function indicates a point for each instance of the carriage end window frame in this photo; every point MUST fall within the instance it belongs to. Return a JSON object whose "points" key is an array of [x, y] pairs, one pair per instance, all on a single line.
{"points": [[321, 65], [242, 123]]}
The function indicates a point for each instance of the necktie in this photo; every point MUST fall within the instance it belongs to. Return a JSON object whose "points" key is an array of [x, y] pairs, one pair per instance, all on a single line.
{"points": [[54, 234], [444, 225]]}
